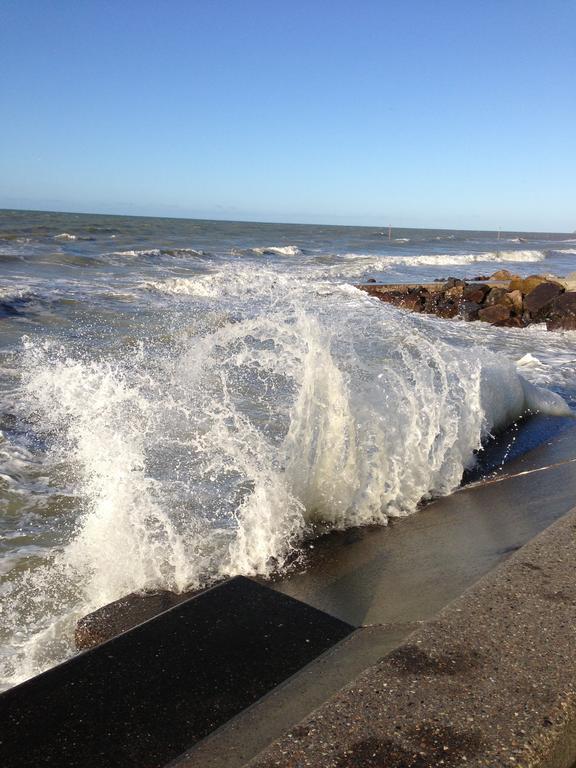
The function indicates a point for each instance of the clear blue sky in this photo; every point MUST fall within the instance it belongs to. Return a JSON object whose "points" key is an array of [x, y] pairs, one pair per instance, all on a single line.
{"points": [[425, 113]]}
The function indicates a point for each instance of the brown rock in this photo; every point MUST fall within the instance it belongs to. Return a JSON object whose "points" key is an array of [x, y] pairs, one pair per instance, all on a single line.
{"points": [[501, 274], [389, 297], [468, 310], [563, 313], [412, 301], [496, 296], [476, 293], [514, 301], [539, 301], [447, 308], [511, 322], [455, 292], [494, 314], [452, 282], [528, 283]]}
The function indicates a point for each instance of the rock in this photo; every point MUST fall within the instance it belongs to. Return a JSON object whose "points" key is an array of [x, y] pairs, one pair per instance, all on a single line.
{"points": [[514, 300], [496, 296], [447, 308], [371, 280], [122, 615], [469, 310], [480, 278], [413, 301], [511, 322], [455, 292], [563, 313], [494, 314], [453, 282], [501, 274], [539, 301], [476, 293], [527, 284]]}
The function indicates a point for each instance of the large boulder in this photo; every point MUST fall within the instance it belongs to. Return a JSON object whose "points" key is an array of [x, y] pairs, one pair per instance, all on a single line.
{"points": [[514, 300], [468, 310], [475, 293], [414, 301], [496, 296], [563, 313], [502, 274], [539, 301], [526, 285], [496, 313]]}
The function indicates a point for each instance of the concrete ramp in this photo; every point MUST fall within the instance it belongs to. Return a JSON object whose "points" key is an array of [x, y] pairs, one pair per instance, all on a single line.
{"points": [[146, 696]]}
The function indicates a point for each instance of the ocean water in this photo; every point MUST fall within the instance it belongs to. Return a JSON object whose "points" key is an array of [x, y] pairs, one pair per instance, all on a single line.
{"points": [[184, 400]]}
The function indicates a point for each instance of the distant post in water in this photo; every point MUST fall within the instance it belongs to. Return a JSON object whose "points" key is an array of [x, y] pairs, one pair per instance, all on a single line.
{"points": [[389, 231]]}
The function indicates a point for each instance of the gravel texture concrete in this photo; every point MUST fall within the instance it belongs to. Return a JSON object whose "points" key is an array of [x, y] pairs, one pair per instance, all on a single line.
{"points": [[490, 682]]}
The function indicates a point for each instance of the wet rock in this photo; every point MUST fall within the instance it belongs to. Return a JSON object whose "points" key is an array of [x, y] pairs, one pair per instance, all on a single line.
{"points": [[454, 293], [447, 308], [501, 274], [371, 280], [413, 301], [511, 322], [514, 300], [475, 293], [121, 615], [453, 282], [539, 301], [563, 313], [496, 313], [469, 310], [527, 284], [496, 296]]}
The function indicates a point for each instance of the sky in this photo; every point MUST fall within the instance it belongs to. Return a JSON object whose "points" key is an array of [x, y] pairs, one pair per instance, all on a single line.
{"points": [[431, 113]]}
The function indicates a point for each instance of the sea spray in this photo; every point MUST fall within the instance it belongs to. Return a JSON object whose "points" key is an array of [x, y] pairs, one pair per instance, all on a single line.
{"points": [[277, 405]]}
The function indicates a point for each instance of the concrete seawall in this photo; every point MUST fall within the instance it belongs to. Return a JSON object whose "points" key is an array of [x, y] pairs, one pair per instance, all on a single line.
{"points": [[490, 682], [394, 583]]}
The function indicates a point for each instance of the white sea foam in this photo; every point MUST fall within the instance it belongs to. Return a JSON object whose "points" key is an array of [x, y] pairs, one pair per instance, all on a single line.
{"points": [[157, 252], [281, 250], [65, 236], [200, 285], [215, 459], [356, 264]]}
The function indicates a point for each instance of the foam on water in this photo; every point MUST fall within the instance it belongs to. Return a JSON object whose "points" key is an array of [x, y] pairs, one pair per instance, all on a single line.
{"points": [[356, 264], [298, 408]]}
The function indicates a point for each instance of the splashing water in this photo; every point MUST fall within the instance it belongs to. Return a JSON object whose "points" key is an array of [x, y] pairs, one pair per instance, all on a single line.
{"points": [[260, 405]]}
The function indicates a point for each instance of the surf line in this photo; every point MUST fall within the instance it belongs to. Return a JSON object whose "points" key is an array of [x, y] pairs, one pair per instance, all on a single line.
{"points": [[501, 479]]}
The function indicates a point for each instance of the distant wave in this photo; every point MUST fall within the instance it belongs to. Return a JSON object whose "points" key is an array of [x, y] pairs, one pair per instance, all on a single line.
{"points": [[358, 263], [157, 252], [203, 286], [280, 250], [65, 236]]}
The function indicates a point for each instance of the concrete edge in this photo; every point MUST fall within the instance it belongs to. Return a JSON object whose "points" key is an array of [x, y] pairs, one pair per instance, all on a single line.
{"points": [[491, 681]]}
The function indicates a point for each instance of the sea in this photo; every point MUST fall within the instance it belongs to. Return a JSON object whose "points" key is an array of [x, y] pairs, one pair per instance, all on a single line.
{"points": [[184, 400]]}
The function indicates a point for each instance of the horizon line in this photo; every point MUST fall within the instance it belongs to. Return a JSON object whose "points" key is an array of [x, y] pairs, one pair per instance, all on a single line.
{"points": [[287, 223]]}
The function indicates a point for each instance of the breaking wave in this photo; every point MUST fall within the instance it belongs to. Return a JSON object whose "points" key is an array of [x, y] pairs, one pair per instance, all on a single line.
{"points": [[277, 250], [158, 252], [217, 457], [65, 236], [355, 264]]}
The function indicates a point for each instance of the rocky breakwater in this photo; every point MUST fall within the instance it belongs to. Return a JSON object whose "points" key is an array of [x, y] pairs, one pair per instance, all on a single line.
{"points": [[502, 299]]}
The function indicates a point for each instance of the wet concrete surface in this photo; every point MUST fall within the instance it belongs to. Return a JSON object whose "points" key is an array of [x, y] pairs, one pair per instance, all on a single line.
{"points": [[489, 682], [144, 697], [389, 581], [410, 569]]}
